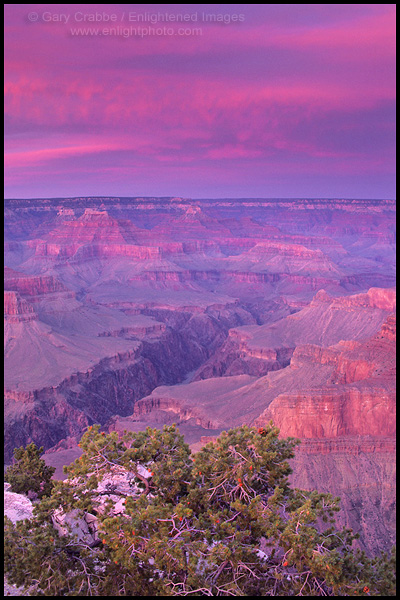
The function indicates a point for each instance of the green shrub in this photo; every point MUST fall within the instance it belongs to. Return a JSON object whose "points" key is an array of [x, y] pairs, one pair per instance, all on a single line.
{"points": [[30, 473], [224, 522]]}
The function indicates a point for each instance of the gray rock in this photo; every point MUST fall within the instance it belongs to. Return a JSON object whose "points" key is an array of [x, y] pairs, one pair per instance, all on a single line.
{"points": [[16, 506]]}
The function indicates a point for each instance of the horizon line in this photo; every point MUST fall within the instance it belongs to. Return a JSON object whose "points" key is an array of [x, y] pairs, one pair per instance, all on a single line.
{"points": [[199, 199]]}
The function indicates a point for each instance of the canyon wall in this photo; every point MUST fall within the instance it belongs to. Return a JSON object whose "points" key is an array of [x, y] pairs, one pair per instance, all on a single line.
{"points": [[210, 313]]}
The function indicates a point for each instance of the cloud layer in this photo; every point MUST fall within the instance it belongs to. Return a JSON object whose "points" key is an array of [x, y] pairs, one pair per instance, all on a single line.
{"points": [[293, 100]]}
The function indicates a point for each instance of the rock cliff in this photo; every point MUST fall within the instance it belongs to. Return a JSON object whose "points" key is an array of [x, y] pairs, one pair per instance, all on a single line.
{"points": [[31, 285], [16, 309], [348, 433], [162, 355]]}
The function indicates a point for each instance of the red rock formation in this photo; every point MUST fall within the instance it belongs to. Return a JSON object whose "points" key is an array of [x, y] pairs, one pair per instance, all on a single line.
{"points": [[285, 249], [94, 250], [92, 226], [348, 431], [359, 398], [33, 285], [16, 309], [384, 299], [388, 329], [331, 413]]}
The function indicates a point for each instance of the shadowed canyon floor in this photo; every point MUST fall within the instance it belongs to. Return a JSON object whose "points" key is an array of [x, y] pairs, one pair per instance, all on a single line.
{"points": [[131, 312]]}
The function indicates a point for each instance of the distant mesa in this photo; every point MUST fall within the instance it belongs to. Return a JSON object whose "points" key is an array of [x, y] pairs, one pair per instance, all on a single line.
{"points": [[91, 214], [66, 212], [192, 211]]}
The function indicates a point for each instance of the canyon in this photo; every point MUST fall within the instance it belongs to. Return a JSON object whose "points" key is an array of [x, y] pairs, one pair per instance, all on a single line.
{"points": [[136, 312]]}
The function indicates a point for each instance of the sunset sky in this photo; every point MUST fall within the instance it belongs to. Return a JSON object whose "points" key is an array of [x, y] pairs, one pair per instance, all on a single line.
{"points": [[273, 100]]}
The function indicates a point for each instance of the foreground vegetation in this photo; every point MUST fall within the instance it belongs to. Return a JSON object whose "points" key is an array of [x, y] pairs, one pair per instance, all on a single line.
{"points": [[221, 522]]}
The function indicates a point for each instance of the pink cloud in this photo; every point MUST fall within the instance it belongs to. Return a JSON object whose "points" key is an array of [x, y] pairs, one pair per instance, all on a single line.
{"points": [[316, 87], [34, 157]]}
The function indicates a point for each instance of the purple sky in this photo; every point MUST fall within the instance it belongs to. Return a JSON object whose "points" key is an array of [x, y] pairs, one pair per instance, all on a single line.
{"points": [[291, 101]]}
